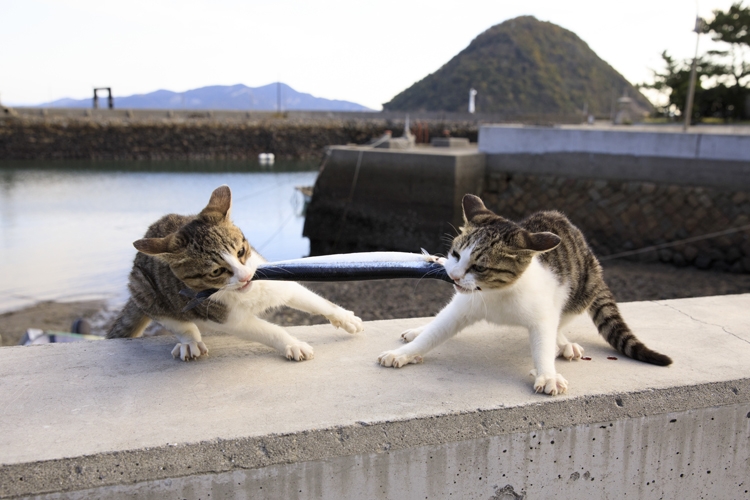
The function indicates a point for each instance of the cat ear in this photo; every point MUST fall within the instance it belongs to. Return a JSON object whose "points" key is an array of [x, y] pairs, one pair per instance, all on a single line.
{"points": [[220, 202], [474, 208], [541, 242], [156, 246]]}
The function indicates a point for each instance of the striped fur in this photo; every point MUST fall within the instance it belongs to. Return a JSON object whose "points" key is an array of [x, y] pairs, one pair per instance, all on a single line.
{"points": [[539, 274], [207, 251], [505, 244]]}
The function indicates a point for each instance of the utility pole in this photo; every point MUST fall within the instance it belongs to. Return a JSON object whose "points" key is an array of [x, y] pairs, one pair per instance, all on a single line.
{"points": [[278, 97], [691, 90]]}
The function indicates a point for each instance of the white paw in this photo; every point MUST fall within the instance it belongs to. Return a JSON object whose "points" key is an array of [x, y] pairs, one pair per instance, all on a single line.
{"points": [[438, 260], [397, 359], [411, 334], [571, 351], [299, 352], [550, 384], [191, 350], [347, 320]]}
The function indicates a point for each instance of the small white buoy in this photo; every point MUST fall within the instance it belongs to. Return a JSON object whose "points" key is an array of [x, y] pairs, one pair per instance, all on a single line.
{"points": [[266, 158]]}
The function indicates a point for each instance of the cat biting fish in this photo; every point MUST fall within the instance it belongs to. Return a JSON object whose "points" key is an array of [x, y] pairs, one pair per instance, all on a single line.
{"points": [[207, 251], [539, 274]]}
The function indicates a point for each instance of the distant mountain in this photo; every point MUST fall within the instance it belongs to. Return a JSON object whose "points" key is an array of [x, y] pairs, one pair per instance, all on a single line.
{"points": [[521, 66], [235, 97]]}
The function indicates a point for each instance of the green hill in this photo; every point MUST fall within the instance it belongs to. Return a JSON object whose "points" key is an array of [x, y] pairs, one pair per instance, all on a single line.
{"points": [[521, 66]]}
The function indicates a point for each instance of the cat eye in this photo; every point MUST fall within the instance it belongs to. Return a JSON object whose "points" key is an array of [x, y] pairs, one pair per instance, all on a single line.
{"points": [[241, 252], [478, 268], [455, 255], [217, 272]]}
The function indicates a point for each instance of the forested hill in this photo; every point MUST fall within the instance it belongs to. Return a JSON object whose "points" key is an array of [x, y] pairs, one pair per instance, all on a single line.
{"points": [[521, 66]]}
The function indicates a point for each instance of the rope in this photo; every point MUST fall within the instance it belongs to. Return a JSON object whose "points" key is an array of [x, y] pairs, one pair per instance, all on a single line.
{"points": [[355, 179], [675, 243]]}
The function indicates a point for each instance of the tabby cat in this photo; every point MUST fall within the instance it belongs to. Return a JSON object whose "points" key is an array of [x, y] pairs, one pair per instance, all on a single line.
{"points": [[207, 251], [540, 274]]}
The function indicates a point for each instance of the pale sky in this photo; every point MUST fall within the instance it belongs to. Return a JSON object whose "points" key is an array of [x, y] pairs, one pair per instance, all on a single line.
{"points": [[365, 52]]}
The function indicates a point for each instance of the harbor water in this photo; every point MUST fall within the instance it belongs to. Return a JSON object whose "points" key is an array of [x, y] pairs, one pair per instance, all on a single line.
{"points": [[66, 228]]}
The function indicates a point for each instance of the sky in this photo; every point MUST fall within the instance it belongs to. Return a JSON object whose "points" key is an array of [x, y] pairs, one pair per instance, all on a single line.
{"points": [[365, 52]]}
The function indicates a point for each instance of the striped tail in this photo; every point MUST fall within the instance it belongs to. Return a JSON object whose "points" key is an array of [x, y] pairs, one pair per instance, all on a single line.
{"points": [[130, 323], [612, 327]]}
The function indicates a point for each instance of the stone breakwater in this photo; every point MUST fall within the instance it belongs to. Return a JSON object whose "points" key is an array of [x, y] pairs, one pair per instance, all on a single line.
{"points": [[618, 216], [56, 138]]}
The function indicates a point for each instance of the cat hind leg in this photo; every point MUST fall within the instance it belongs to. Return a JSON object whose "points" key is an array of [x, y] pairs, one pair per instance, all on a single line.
{"points": [[568, 350], [190, 345]]}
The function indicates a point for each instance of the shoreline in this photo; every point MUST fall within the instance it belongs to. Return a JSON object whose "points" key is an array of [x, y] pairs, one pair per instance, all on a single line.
{"points": [[391, 299]]}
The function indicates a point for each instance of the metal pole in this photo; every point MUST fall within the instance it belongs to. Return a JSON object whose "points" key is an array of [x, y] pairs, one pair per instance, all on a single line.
{"points": [[691, 89]]}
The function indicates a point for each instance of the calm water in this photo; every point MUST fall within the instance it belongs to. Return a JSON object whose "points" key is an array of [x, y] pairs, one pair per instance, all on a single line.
{"points": [[66, 228]]}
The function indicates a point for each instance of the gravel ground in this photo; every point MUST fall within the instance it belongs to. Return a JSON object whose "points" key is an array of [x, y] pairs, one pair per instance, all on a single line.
{"points": [[376, 300]]}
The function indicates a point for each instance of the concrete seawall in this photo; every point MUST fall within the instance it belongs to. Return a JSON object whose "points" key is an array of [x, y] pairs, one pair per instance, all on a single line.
{"points": [[626, 189], [630, 189], [122, 419], [368, 199]]}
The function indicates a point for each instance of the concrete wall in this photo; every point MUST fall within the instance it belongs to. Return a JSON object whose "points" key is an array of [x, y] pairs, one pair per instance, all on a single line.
{"points": [[628, 189], [367, 199], [653, 142], [122, 419]]}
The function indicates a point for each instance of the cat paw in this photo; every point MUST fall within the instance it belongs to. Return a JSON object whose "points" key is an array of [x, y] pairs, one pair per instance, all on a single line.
{"points": [[299, 352], [550, 384], [347, 320], [411, 334], [571, 351], [438, 260], [191, 350], [397, 360]]}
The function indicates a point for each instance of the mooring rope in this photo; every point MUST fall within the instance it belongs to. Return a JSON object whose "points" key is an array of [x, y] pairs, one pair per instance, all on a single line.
{"points": [[675, 243]]}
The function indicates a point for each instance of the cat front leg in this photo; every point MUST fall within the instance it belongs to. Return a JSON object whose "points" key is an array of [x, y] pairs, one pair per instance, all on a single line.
{"points": [[191, 345], [305, 300], [258, 330], [456, 316], [543, 353]]}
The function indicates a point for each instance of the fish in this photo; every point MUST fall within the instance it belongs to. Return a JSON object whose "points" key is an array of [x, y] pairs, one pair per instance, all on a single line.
{"points": [[342, 267]]}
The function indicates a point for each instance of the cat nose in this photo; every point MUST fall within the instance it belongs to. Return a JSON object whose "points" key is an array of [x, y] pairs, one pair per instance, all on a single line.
{"points": [[454, 275]]}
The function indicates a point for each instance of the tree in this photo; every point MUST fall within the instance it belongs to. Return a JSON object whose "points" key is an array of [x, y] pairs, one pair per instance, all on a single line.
{"points": [[674, 81], [733, 28], [726, 72]]}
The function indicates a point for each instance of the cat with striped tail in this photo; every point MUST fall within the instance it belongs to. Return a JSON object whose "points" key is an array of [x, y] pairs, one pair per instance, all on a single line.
{"points": [[539, 274]]}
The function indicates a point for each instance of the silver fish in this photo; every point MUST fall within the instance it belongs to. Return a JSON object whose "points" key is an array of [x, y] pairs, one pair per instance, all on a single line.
{"points": [[342, 267]]}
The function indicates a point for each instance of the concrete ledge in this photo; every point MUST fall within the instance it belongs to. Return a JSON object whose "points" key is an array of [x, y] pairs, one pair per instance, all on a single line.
{"points": [[508, 139], [121, 419]]}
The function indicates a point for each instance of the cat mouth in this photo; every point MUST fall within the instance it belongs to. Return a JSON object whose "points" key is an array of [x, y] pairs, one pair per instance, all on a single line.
{"points": [[244, 287], [461, 289]]}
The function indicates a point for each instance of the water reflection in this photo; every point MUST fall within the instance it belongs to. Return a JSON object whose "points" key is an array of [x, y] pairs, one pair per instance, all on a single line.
{"points": [[67, 228]]}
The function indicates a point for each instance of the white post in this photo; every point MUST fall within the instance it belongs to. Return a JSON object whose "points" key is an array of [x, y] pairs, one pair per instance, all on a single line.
{"points": [[472, 106]]}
